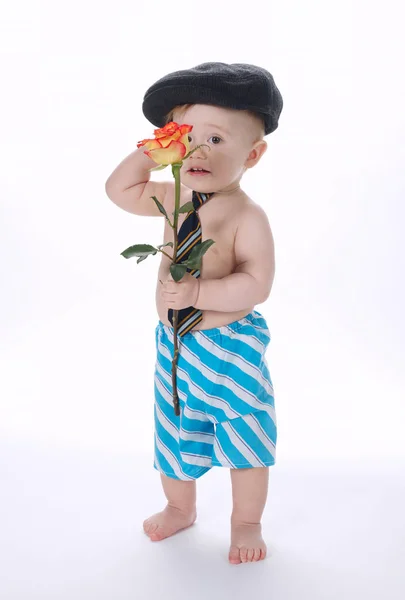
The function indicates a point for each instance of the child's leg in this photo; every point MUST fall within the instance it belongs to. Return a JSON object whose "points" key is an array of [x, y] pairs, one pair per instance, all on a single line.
{"points": [[179, 513], [180, 495], [249, 495]]}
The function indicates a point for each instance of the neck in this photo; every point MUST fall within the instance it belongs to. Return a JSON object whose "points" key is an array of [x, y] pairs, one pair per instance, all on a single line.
{"points": [[227, 191]]}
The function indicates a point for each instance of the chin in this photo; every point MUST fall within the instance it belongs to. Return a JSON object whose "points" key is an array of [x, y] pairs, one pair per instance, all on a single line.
{"points": [[197, 183]]}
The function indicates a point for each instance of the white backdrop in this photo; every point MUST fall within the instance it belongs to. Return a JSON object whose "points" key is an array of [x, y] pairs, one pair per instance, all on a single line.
{"points": [[77, 319]]}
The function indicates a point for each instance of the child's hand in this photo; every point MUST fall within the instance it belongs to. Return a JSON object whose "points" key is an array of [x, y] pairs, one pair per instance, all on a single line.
{"points": [[180, 294]]}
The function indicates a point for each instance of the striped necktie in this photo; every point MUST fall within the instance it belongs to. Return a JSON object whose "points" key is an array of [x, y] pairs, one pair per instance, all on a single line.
{"points": [[188, 236]]}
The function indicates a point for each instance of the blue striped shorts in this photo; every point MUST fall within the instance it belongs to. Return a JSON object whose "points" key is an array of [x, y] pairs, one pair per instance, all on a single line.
{"points": [[227, 414]]}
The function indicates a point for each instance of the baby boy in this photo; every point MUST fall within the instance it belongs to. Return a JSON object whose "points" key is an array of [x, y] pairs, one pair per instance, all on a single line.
{"points": [[227, 414]]}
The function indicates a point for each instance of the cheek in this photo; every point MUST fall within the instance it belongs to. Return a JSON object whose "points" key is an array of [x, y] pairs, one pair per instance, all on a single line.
{"points": [[233, 163], [226, 160]]}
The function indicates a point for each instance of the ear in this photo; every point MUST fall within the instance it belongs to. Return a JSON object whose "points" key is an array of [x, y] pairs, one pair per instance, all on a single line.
{"points": [[256, 153]]}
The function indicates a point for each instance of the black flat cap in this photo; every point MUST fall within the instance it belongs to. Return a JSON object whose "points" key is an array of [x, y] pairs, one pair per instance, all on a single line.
{"points": [[237, 85]]}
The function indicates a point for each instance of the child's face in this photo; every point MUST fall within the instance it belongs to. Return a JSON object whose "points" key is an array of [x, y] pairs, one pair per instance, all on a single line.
{"points": [[232, 137]]}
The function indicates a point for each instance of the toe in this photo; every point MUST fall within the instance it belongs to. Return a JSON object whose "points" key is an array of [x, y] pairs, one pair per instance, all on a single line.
{"points": [[157, 534], [256, 556], [263, 553], [234, 555], [243, 554], [146, 526], [250, 554], [150, 527]]}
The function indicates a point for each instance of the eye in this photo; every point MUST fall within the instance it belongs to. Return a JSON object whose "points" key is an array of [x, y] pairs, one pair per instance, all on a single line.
{"points": [[213, 136], [216, 137]]}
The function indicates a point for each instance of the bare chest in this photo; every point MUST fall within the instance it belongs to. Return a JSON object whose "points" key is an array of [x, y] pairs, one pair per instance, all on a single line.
{"points": [[219, 224]]}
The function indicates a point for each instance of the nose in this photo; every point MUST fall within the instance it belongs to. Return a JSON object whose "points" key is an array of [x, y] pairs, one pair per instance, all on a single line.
{"points": [[201, 152]]}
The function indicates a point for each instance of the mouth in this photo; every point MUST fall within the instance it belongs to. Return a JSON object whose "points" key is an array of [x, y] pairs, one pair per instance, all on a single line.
{"points": [[198, 172]]}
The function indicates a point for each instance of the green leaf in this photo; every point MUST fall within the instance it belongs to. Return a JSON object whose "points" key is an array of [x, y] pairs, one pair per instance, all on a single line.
{"points": [[141, 258], [186, 208], [167, 244], [159, 168], [162, 209], [139, 250], [160, 206], [194, 260], [178, 270]]}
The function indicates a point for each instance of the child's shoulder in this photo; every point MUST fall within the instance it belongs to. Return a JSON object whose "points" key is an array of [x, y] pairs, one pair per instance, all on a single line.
{"points": [[253, 223], [251, 210]]}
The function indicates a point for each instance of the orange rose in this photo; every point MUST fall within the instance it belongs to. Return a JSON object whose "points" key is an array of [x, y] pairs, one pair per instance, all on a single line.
{"points": [[170, 144]]}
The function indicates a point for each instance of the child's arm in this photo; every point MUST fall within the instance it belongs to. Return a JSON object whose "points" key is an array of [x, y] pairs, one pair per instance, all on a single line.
{"points": [[252, 280], [129, 187]]}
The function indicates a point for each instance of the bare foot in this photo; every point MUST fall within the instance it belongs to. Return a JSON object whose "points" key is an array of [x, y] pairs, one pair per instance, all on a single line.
{"points": [[247, 544], [166, 523]]}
